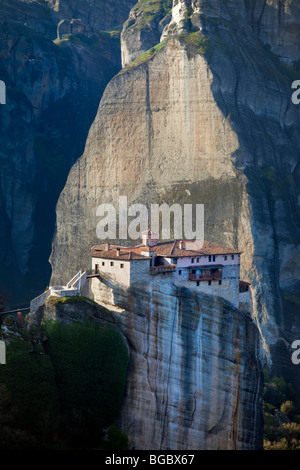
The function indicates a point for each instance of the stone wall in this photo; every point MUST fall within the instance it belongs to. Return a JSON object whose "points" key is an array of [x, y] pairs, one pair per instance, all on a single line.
{"points": [[118, 270], [228, 290], [139, 270], [38, 301]]}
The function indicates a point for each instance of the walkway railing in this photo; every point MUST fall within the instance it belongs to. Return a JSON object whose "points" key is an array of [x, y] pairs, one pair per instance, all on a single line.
{"points": [[39, 301], [72, 289], [93, 272], [74, 279], [163, 268], [205, 277]]}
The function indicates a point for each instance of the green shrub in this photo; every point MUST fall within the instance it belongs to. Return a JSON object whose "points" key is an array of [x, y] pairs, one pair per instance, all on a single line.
{"points": [[149, 8], [63, 392], [277, 391], [281, 415], [288, 408], [147, 55], [116, 439], [29, 398], [90, 363], [196, 43]]}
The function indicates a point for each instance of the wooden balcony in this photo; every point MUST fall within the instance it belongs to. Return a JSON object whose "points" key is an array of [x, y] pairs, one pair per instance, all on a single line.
{"points": [[206, 276], [165, 268]]}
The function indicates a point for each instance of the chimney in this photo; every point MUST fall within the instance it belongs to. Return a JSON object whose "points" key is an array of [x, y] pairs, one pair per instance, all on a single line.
{"points": [[118, 251], [107, 246], [149, 238], [181, 245]]}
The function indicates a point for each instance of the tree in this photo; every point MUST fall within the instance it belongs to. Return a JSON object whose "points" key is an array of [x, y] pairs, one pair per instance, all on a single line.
{"points": [[116, 439], [4, 296]]}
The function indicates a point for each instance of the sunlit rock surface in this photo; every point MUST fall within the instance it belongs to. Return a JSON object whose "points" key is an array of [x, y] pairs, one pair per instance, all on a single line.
{"points": [[207, 118], [194, 379]]}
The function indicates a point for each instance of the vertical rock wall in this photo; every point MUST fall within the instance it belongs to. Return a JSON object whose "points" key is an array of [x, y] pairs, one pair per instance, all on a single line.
{"points": [[207, 119], [53, 91], [194, 379]]}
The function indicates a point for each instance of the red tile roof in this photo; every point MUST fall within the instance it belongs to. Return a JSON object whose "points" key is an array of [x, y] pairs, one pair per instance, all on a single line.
{"points": [[167, 249], [244, 284], [123, 255], [172, 249]]}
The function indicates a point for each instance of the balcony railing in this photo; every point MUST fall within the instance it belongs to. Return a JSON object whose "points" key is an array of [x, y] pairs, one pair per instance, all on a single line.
{"points": [[163, 268], [93, 272], [205, 276]]}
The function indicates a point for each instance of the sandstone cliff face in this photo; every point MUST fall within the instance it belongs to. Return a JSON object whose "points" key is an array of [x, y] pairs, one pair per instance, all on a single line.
{"points": [[194, 378], [208, 119], [144, 28], [275, 22], [154, 113], [53, 91]]}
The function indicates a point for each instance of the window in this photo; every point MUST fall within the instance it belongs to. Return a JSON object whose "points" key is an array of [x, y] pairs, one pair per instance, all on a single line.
{"points": [[198, 260], [214, 258], [179, 272], [96, 268], [209, 259], [103, 263], [244, 288], [232, 256], [111, 263], [174, 260], [220, 283], [209, 283], [192, 260], [225, 257], [121, 265]]}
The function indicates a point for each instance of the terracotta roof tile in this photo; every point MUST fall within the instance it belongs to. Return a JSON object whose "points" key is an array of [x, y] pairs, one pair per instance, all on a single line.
{"points": [[173, 249], [168, 249], [244, 284], [113, 254]]}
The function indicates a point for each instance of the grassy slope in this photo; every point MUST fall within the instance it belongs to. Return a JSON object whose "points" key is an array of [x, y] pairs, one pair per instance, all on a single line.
{"points": [[62, 392]]}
